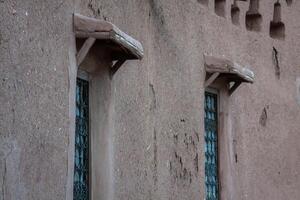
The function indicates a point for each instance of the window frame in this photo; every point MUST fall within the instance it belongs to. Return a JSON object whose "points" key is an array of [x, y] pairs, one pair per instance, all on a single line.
{"points": [[85, 76], [217, 92]]}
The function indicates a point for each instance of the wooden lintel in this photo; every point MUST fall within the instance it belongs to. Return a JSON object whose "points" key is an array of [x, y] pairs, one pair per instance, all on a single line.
{"points": [[97, 35], [234, 87], [84, 50], [211, 79], [116, 66], [87, 27], [89, 24], [228, 68]]}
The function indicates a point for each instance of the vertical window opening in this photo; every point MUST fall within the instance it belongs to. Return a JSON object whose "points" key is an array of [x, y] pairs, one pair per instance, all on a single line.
{"points": [[81, 161], [253, 17], [277, 27], [289, 2], [211, 146], [235, 13], [220, 7]]}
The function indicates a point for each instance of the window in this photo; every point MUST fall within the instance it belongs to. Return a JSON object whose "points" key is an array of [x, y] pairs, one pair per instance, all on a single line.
{"points": [[98, 58], [81, 161], [211, 146]]}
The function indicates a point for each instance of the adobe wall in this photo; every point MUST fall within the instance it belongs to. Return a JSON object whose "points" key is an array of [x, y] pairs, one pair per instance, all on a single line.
{"points": [[35, 40], [156, 109]]}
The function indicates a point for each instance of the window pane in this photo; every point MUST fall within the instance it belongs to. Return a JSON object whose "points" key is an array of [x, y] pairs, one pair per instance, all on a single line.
{"points": [[81, 161], [211, 146]]}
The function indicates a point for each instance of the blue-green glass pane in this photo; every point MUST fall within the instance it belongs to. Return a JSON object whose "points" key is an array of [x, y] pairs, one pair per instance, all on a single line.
{"points": [[81, 160], [211, 146]]}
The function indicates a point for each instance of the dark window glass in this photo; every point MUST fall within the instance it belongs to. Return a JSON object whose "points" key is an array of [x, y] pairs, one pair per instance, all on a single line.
{"points": [[81, 161], [211, 146]]}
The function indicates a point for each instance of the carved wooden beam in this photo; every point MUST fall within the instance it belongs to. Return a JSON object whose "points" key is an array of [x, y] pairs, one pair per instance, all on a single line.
{"points": [[231, 71], [84, 50], [127, 47], [211, 79], [116, 66], [228, 68], [234, 87]]}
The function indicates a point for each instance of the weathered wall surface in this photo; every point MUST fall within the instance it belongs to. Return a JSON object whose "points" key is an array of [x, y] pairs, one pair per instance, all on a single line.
{"points": [[157, 103], [34, 121]]}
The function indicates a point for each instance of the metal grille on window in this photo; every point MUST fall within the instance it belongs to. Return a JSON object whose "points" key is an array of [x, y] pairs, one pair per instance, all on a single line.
{"points": [[81, 161], [211, 146]]}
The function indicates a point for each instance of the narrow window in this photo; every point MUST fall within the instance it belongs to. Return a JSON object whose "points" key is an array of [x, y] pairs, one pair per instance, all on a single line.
{"points": [[81, 161], [211, 146], [253, 17], [220, 7], [235, 13], [277, 27]]}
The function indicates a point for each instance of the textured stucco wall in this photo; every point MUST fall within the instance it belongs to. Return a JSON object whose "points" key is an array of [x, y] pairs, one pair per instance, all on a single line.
{"points": [[34, 122], [156, 109]]}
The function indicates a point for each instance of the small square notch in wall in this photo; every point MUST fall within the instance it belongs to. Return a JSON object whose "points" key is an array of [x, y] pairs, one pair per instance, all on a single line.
{"points": [[220, 7], [277, 27], [253, 17]]}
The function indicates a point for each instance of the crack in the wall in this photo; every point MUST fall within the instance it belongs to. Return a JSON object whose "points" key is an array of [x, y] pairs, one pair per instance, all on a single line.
{"points": [[263, 117], [162, 32], [276, 62], [175, 136], [153, 98], [188, 140], [95, 11], [197, 135], [235, 150], [185, 141], [157, 11], [196, 164], [179, 171], [155, 178]]}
